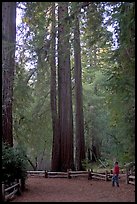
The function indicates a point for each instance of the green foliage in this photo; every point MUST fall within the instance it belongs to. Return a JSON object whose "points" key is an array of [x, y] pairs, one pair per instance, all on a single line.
{"points": [[14, 164], [31, 114], [86, 165], [121, 85], [108, 77]]}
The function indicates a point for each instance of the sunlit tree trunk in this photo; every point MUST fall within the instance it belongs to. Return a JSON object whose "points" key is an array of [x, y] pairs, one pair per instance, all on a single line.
{"points": [[55, 163], [80, 142], [64, 88], [8, 62]]}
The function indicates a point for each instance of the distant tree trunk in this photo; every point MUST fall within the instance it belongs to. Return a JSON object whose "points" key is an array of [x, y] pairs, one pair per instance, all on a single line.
{"points": [[31, 163], [8, 61], [88, 155], [64, 88], [95, 55], [55, 164], [80, 142]]}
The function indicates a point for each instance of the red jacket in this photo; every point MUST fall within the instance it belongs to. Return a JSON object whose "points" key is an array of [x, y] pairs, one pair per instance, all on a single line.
{"points": [[116, 169]]}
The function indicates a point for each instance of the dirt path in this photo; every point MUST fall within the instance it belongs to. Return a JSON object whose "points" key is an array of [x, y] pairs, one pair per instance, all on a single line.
{"points": [[41, 189]]}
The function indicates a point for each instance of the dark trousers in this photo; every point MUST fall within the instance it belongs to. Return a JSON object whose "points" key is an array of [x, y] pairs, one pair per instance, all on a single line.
{"points": [[115, 179]]}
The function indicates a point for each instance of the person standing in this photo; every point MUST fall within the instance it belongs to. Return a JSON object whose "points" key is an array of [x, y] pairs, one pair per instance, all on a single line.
{"points": [[115, 177]]}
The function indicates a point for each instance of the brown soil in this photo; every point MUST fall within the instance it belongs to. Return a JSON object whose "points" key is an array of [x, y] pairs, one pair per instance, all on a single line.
{"points": [[78, 189]]}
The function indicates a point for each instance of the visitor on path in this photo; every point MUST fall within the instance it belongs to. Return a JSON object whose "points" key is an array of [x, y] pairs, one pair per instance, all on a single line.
{"points": [[115, 177]]}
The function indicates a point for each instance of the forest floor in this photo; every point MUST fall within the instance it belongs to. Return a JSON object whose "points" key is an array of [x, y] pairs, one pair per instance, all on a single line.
{"points": [[78, 189]]}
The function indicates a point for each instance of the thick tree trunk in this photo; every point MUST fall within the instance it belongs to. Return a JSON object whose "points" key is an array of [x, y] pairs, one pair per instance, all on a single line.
{"points": [[8, 53], [55, 164], [80, 142], [64, 88]]}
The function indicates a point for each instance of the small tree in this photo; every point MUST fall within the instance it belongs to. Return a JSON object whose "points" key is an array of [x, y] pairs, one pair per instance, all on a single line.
{"points": [[14, 164]]}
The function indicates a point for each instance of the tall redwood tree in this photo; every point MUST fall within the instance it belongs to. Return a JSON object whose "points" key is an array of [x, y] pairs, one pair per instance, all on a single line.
{"points": [[64, 89], [8, 62], [79, 119], [55, 163]]}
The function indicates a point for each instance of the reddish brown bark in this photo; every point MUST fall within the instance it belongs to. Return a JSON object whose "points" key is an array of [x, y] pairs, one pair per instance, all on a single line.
{"points": [[55, 163], [8, 53], [64, 88], [80, 142]]}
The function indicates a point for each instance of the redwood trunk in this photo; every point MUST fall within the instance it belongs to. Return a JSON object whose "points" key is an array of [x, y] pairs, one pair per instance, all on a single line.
{"points": [[8, 61], [55, 164], [64, 88], [80, 142]]}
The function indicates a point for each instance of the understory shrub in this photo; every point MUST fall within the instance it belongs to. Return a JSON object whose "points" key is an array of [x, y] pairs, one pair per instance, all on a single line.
{"points": [[14, 164]]}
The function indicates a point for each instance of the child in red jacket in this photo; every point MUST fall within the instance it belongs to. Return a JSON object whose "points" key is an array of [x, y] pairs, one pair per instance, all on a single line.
{"points": [[115, 178]]}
